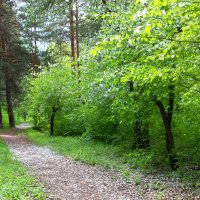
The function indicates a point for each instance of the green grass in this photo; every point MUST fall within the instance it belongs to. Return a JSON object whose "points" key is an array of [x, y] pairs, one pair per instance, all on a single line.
{"points": [[15, 183], [124, 160], [90, 152], [18, 119]]}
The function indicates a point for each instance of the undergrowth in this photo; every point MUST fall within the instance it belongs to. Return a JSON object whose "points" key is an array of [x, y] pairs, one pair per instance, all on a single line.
{"points": [[15, 183]]}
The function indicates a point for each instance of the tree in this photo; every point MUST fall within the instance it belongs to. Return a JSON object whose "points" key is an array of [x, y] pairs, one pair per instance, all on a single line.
{"points": [[139, 72], [50, 93], [143, 47], [12, 54], [5, 60]]}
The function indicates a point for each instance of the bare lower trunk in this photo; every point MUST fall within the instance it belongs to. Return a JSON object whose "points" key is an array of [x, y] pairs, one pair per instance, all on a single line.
{"points": [[167, 122], [6, 71], [9, 99], [52, 119]]}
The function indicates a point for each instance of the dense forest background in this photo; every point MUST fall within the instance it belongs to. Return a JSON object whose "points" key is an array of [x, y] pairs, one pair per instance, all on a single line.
{"points": [[124, 73]]}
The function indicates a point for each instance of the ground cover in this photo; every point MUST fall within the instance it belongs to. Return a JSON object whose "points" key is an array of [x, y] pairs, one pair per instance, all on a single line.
{"points": [[15, 182]]}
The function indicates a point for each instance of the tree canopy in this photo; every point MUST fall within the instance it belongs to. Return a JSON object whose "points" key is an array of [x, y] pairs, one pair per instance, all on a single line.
{"points": [[122, 72]]}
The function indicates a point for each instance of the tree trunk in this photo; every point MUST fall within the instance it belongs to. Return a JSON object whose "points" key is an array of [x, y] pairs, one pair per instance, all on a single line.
{"points": [[9, 99], [25, 116], [54, 110], [77, 31], [34, 50], [140, 131], [77, 40], [1, 40], [72, 38], [167, 122], [6, 71], [1, 117], [52, 124]]}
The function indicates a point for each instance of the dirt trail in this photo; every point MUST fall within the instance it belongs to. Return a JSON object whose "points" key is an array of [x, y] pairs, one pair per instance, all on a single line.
{"points": [[66, 179]]}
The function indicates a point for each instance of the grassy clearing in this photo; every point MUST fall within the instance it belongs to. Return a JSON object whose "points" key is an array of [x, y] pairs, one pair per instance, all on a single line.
{"points": [[15, 183]]}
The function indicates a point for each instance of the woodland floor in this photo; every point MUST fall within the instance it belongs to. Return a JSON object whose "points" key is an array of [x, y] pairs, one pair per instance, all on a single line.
{"points": [[66, 179]]}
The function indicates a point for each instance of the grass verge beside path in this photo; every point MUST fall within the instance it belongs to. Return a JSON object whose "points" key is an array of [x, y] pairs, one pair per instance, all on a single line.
{"points": [[89, 152], [15, 183], [131, 164]]}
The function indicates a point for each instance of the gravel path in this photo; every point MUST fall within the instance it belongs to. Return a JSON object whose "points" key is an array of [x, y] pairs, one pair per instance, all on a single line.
{"points": [[66, 179]]}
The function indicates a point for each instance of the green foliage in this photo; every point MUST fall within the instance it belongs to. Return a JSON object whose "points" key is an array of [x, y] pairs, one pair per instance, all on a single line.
{"points": [[98, 124], [153, 46], [53, 89], [5, 119], [159, 196], [15, 183], [140, 159], [140, 51]]}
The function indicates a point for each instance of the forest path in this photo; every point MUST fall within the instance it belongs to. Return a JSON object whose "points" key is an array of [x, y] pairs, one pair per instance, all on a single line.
{"points": [[66, 179]]}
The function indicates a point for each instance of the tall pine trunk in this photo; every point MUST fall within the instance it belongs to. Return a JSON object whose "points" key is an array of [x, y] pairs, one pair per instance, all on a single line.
{"points": [[34, 50], [77, 40], [167, 122], [6, 71], [72, 36], [9, 98], [1, 115]]}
